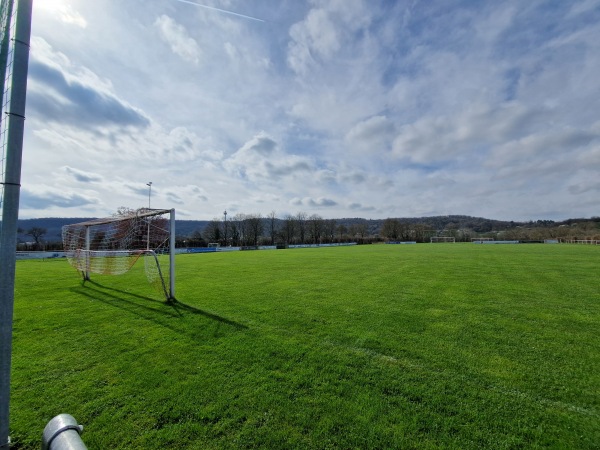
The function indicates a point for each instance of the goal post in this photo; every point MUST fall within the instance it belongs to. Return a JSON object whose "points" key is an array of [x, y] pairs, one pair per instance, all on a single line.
{"points": [[112, 246], [438, 239]]}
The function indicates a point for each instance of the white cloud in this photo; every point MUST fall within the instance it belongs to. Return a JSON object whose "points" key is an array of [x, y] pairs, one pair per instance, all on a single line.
{"points": [[373, 135], [471, 132], [65, 92], [581, 188], [63, 11], [180, 195], [42, 199], [583, 7], [358, 207], [316, 35], [261, 159], [326, 28], [556, 146], [309, 202], [83, 176], [178, 38], [261, 144], [386, 108]]}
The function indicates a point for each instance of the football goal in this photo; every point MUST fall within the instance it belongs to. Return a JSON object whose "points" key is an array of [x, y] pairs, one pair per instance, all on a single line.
{"points": [[112, 246], [438, 239]]}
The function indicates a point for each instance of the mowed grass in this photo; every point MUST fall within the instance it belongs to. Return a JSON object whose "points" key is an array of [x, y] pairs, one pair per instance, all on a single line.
{"points": [[424, 346]]}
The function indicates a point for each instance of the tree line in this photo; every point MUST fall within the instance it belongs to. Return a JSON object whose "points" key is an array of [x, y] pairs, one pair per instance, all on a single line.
{"points": [[302, 228], [254, 230]]}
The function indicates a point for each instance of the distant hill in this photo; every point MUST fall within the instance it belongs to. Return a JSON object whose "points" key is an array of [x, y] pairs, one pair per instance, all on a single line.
{"points": [[53, 226], [477, 224], [185, 228]]}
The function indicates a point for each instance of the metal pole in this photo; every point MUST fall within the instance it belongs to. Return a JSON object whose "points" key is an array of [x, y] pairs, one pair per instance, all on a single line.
{"points": [[149, 184], [63, 433], [10, 205], [172, 255], [225, 213], [88, 260], [7, 11]]}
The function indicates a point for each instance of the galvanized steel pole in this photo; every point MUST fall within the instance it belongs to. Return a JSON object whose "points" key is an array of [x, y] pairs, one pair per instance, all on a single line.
{"points": [[63, 433], [10, 205], [172, 255]]}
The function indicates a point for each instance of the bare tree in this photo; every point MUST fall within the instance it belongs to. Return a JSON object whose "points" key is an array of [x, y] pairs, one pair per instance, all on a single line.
{"points": [[255, 227], [420, 232], [235, 232], [359, 230], [329, 227], [96, 239], [225, 230], [272, 218], [391, 229], [212, 231], [363, 230], [301, 222], [241, 228], [124, 211], [406, 232], [37, 233], [196, 239], [289, 229], [315, 228], [342, 230]]}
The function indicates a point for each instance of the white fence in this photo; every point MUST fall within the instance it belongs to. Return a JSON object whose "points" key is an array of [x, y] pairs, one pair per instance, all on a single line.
{"points": [[582, 241], [40, 255]]}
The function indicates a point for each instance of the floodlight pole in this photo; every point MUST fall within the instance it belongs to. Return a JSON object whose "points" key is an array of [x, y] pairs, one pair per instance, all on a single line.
{"points": [[172, 254], [225, 213], [10, 205], [8, 7], [149, 184]]}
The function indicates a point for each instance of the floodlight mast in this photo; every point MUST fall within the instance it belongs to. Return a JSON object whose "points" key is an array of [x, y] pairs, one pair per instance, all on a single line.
{"points": [[225, 224], [10, 203], [172, 255], [149, 184]]}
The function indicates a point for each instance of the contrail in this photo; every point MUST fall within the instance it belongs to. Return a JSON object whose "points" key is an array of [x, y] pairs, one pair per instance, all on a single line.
{"points": [[221, 10]]}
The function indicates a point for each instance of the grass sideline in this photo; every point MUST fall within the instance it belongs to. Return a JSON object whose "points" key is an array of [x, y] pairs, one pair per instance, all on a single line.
{"points": [[382, 346]]}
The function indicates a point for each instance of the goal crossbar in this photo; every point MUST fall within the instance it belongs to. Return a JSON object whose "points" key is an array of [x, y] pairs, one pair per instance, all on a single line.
{"points": [[140, 214], [438, 239]]}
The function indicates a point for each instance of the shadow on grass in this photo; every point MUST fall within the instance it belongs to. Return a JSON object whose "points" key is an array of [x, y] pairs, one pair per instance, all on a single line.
{"points": [[177, 306], [125, 300]]}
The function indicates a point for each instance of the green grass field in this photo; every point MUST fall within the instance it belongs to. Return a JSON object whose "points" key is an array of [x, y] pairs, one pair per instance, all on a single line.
{"points": [[424, 346]]}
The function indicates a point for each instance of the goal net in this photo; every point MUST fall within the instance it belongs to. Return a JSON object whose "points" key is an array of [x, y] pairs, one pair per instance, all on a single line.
{"points": [[479, 240], [111, 246], [437, 239]]}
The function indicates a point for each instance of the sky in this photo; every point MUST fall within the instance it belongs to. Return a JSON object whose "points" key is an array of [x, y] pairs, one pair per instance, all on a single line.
{"points": [[340, 108]]}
